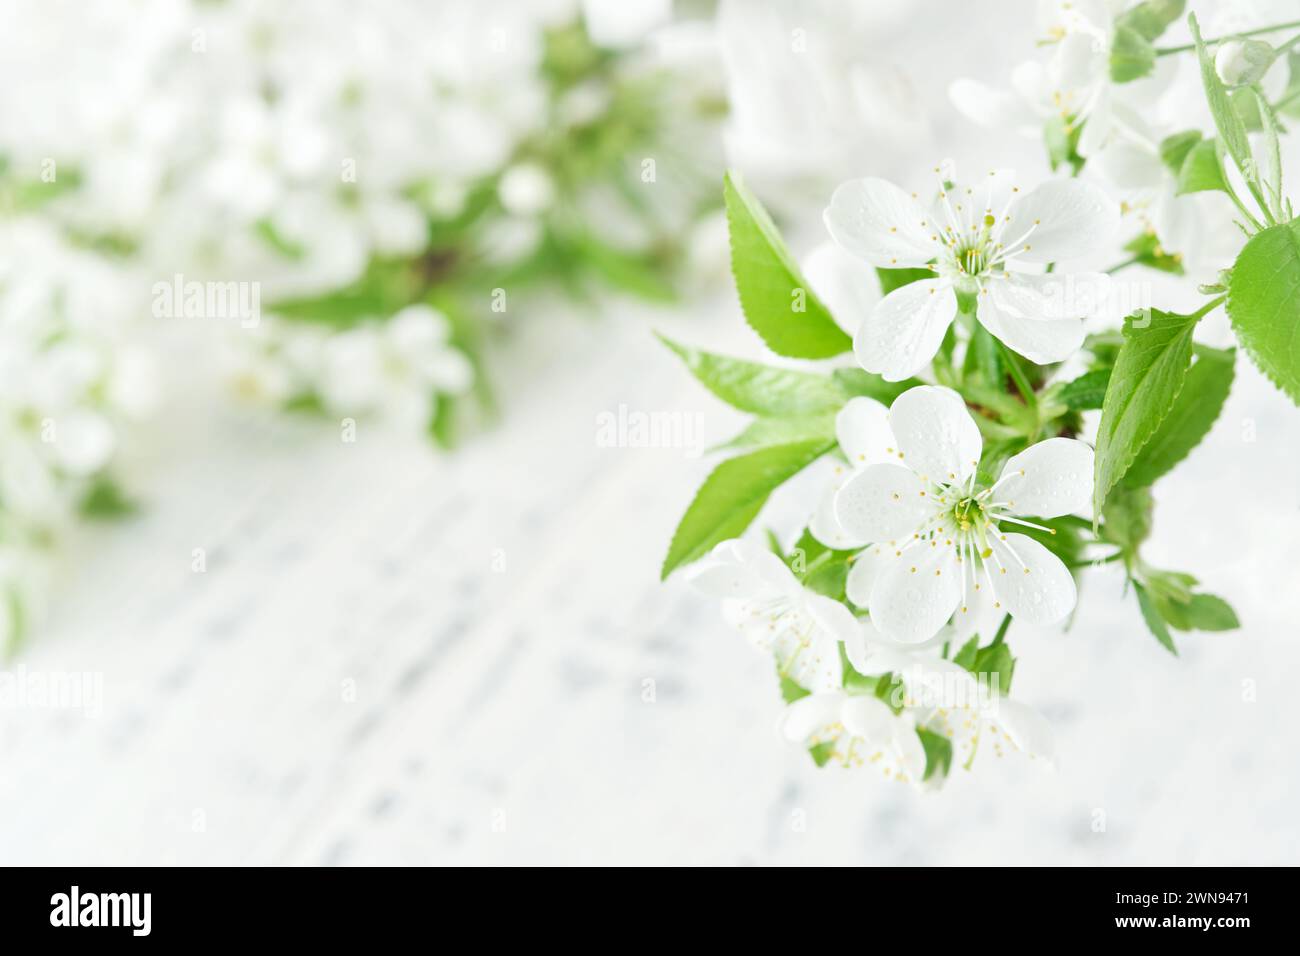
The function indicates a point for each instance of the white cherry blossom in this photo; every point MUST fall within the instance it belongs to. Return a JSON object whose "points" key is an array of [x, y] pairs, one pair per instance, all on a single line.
{"points": [[944, 698], [987, 244], [861, 730], [939, 547], [778, 615]]}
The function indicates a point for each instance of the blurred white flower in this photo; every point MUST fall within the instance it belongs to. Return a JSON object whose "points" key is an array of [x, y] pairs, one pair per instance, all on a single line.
{"points": [[946, 699], [860, 731], [778, 615], [806, 102]]}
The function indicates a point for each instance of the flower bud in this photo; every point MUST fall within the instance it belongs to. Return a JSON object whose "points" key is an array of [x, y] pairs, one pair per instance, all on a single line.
{"points": [[1242, 62]]}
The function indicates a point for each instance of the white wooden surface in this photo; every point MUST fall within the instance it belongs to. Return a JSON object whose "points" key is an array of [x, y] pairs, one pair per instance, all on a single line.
{"points": [[499, 715]]}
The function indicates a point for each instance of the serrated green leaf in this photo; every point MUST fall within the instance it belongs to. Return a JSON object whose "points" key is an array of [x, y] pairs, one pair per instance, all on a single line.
{"points": [[938, 753], [1264, 304], [760, 389], [1194, 412], [1232, 131], [770, 286], [1148, 375], [732, 496], [1087, 391], [1154, 622]]}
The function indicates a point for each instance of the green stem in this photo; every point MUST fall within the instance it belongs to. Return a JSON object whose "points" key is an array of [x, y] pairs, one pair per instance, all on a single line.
{"points": [[1018, 376], [1002, 630], [1123, 265], [1209, 307], [1189, 47]]}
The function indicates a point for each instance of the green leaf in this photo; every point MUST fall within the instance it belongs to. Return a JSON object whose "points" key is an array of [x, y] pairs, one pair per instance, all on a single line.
{"points": [[634, 273], [1061, 135], [790, 691], [1201, 612], [966, 656], [938, 753], [442, 422], [1194, 412], [995, 661], [777, 302], [891, 279], [1202, 169], [762, 432], [1153, 17], [760, 389], [1264, 304], [1175, 147], [1127, 517], [1232, 131], [732, 496], [106, 500], [1132, 56], [821, 753], [1155, 623], [1085, 392], [854, 382], [1148, 375]]}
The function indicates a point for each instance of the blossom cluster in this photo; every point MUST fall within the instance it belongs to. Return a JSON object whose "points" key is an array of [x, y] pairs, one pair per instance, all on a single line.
{"points": [[998, 432]]}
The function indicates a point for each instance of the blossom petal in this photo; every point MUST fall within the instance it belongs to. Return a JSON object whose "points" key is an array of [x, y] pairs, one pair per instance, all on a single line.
{"points": [[807, 715], [862, 428], [1061, 219], [1049, 479], [1030, 582], [913, 599], [937, 437], [991, 108], [864, 571], [833, 618], [826, 527], [1053, 296], [905, 329], [882, 502], [847, 285], [868, 718], [876, 220], [1043, 341], [1026, 728]]}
